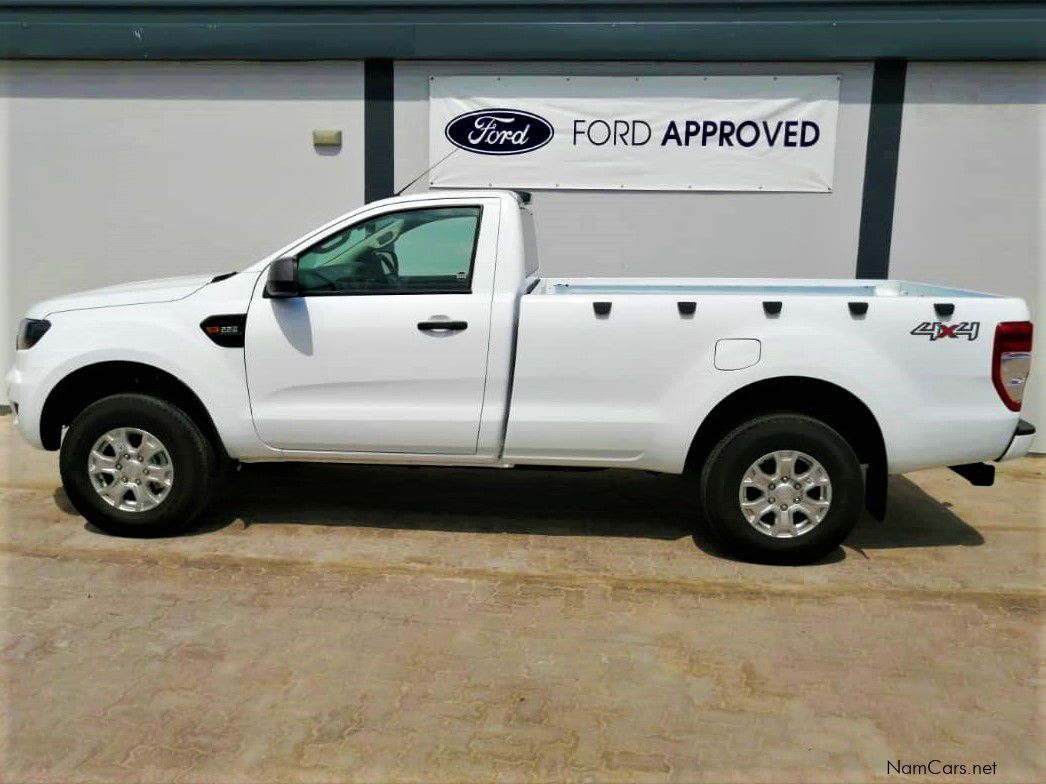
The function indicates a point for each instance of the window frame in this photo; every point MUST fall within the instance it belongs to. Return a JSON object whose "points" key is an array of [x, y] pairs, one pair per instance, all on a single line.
{"points": [[394, 292]]}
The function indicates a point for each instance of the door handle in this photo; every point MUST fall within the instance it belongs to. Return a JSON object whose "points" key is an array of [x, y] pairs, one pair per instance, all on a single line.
{"points": [[442, 326]]}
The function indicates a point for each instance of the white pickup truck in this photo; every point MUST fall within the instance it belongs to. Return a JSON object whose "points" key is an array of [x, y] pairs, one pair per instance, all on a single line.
{"points": [[415, 330]]}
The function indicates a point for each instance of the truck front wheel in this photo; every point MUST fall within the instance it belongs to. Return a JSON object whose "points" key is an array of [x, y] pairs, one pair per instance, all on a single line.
{"points": [[783, 488], [135, 465]]}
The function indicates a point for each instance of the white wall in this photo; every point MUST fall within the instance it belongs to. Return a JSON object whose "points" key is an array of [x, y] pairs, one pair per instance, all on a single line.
{"points": [[8, 318], [721, 234], [120, 171], [117, 171], [970, 208]]}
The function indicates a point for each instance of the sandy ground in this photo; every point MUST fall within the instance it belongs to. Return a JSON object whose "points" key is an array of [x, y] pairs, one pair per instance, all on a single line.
{"points": [[389, 624]]}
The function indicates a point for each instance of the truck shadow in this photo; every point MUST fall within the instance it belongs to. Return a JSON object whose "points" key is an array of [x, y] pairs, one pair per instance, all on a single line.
{"points": [[544, 502]]}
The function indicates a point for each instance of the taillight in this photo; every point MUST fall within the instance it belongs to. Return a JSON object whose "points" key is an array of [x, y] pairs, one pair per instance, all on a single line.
{"points": [[1011, 361]]}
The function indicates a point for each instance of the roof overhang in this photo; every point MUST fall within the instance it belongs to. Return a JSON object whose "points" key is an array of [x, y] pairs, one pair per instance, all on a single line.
{"points": [[523, 29]]}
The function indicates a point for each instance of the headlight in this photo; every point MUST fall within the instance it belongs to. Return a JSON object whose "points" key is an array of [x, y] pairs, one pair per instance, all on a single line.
{"points": [[30, 331]]}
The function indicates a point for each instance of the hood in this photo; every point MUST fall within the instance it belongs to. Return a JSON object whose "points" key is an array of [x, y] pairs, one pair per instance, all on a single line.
{"points": [[138, 293]]}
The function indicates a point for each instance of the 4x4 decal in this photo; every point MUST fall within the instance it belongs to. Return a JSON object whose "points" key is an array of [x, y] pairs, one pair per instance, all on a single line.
{"points": [[935, 330]]}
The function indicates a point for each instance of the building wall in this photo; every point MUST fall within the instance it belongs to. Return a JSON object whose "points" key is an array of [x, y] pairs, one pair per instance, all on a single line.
{"points": [[117, 171], [644, 233], [971, 187]]}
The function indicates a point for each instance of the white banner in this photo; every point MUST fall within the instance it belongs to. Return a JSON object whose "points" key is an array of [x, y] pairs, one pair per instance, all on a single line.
{"points": [[708, 133]]}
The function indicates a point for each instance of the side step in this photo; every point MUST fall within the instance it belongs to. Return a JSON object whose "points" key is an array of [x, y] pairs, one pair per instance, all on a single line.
{"points": [[977, 474]]}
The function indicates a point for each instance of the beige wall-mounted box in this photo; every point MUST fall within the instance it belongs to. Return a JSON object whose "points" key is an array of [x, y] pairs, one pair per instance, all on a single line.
{"points": [[326, 138]]}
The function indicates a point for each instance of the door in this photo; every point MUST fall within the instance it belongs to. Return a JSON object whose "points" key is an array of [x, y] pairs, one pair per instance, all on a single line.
{"points": [[386, 349]]}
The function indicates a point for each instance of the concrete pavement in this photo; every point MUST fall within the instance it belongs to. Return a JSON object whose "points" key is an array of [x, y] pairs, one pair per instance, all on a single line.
{"points": [[339, 623]]}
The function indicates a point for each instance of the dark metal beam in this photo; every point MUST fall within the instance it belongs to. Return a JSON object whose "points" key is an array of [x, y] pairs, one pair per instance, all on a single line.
{"points": [[880, 169], [378, 153]]}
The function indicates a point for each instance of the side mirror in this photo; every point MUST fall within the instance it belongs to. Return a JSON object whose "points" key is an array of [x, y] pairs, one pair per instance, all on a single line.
{"points": [[283, 279]]}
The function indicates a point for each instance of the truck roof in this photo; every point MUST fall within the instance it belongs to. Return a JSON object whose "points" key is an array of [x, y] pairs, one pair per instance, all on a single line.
{"points": [[471, 193]]}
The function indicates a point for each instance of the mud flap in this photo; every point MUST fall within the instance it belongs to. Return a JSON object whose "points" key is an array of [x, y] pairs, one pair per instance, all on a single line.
{"points": [[875, 491]]}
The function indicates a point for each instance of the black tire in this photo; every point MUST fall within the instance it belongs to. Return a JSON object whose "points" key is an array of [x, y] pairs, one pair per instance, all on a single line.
{"points": [[723, 471], [190, 453]]}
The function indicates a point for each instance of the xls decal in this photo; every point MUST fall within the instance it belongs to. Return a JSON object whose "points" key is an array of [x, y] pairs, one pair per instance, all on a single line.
{"points": [[936, 330]]}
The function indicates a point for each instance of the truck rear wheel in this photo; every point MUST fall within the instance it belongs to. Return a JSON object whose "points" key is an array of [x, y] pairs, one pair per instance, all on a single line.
{"points": [[135, 465], [783, 488]]}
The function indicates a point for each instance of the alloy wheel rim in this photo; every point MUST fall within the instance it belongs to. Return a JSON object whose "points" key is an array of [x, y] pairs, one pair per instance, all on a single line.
{"points": [[785, 494], [130, 469]]}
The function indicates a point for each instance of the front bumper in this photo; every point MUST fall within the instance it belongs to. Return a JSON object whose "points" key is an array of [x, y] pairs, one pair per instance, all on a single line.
{"points": [[13, 389], [1020, 443], [22, 385]]}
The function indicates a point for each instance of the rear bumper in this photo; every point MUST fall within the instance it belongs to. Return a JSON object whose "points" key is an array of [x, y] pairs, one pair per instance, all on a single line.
{"points": [[983, 474], [1020, 443]]}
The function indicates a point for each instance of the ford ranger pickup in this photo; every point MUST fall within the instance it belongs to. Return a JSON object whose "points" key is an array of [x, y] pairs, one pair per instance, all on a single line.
{"points": [[416, 330]]}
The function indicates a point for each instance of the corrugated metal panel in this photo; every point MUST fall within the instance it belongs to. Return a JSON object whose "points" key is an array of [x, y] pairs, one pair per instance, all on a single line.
{"points": [[527, 29]]}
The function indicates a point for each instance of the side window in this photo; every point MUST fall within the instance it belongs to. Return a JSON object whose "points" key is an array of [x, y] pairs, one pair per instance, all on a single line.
{"points": [[425, 250]]}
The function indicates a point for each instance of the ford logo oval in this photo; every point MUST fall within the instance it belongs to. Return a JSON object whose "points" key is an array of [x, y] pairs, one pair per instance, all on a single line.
{"points": [[499, 131]]}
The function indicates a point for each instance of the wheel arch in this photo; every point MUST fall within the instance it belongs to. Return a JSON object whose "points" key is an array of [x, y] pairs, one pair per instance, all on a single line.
{"points": [[91, 383], [830, 403]]}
